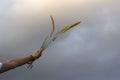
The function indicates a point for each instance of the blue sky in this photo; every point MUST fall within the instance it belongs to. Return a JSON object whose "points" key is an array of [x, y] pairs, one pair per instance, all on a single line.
{"points": [[89, 51]]}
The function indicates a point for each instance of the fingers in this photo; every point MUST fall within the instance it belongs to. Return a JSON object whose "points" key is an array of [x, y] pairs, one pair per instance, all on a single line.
{"points": [[37, 54], [40, 53]]}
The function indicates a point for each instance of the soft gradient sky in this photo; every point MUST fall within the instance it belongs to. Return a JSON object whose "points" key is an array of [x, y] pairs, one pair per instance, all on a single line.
{"points": [[90, 51]]}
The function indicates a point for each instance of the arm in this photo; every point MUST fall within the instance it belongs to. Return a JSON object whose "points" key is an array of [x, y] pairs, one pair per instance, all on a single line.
{"points": [[16, 62]]}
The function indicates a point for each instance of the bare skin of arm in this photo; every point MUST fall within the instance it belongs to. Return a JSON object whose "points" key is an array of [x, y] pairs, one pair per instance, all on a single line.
{"points": [[16, 62]]}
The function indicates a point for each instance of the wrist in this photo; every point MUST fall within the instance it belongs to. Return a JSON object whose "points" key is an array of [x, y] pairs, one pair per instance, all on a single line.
{"points": [[32, 58]]}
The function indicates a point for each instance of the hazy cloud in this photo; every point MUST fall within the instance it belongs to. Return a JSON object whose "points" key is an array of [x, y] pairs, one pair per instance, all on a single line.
{"points": [[90, 51]]}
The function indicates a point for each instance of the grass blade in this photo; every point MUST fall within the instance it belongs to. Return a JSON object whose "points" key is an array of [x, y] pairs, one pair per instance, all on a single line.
{"points": [[50, 38], [46, 42], [69, 27], [53, 25], [64, 30]]}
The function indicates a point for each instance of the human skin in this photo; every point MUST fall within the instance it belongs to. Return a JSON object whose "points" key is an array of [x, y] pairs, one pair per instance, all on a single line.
{"points": [[16, 62]]}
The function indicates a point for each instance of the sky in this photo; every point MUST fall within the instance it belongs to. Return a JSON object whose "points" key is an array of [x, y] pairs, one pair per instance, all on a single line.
{"points": [[90, 51]]}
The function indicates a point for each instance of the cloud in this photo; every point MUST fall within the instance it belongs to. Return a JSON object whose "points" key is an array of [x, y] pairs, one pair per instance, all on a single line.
{"points": [[90, 51]]}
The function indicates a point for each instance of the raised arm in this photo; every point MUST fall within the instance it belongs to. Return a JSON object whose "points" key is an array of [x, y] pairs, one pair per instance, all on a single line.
{"points": [[16, 62]]}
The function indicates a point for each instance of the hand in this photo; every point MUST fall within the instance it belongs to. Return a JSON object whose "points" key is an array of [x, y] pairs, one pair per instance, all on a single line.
{"points": [[37, 54]]}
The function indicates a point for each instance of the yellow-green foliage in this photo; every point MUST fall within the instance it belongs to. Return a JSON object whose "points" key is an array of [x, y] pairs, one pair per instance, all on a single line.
{"points": [[53, 26], [69, 27], [52, 37]]}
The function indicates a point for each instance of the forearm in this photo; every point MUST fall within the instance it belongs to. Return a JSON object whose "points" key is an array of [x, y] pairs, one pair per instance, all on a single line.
{"points": [[13, 63]]}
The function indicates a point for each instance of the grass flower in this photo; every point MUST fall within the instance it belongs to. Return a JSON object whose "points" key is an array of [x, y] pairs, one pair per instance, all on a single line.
{"points": [[50, 38]]}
